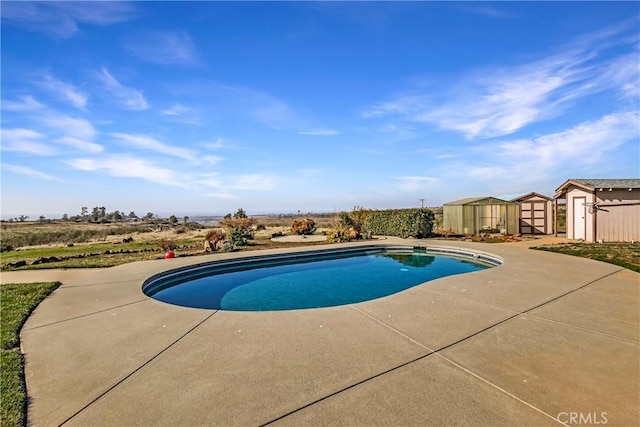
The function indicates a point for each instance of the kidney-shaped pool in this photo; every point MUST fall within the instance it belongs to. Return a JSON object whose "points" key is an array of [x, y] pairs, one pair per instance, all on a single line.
{"points": [[310, 279]]}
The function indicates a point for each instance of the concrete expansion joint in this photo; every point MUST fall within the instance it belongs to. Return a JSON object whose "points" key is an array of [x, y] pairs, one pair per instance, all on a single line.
{"points": [[572, 291], [430, 352], [86, 285], [592, 331], [349, 387], [136, 370], [470, 301], [611, 295], [437, 353], [85, 315]]}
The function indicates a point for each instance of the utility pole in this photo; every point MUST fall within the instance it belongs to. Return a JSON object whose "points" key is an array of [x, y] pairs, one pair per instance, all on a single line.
{"points": [[421, 203]]}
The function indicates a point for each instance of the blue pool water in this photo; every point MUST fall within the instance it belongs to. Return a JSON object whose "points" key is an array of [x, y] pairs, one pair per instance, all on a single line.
{"points": [[320, 281]]}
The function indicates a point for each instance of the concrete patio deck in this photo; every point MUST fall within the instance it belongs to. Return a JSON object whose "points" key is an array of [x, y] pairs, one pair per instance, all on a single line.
{"points": [[544, 339]]}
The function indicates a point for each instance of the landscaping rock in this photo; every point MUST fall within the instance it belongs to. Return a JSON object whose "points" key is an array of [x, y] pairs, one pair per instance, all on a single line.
{"points": [[44, 260], [16, 264]]}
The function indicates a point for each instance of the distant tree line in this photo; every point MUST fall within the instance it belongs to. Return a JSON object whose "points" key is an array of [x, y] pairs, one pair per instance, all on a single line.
{"points": [[99, 214]]}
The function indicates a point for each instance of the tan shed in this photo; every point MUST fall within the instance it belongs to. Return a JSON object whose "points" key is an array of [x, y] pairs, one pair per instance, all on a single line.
{"points": [[536, 214], [480, 214], [602, 210]]}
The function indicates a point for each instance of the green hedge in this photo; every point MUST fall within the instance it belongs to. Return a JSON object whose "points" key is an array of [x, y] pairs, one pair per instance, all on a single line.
{"points": [[400, 222]]}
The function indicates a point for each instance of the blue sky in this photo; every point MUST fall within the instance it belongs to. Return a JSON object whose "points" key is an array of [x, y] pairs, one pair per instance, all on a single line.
{"points": [[203, 107]]}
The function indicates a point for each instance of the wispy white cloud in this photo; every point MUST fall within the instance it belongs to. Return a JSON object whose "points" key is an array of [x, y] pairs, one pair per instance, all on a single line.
{"points": [[182, 114], [215, 145], [130, 98], [125, 166], [63, 90], [405, 104], [240, 104], [27, 171], [622, 73], [176, 110], [398, 130], [222, 195], [254, 181], [489, 172], [585, 143], [211, 180], [579, 148], [149, 143], [61, 19], [163, 47], [212, 160], [24, 104], [320, 132], [25, 141], [68, 126], [500, 101], [243, 103], [414, 183], [270, 111], [81, 145], [491, 11], [70, 131]]}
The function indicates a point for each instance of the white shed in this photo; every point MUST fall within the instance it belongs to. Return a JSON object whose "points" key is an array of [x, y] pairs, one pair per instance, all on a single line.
{"points": [[606, 210]]}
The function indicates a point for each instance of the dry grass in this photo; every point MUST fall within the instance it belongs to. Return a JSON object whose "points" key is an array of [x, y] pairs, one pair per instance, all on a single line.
{"points": [[104, 247]]}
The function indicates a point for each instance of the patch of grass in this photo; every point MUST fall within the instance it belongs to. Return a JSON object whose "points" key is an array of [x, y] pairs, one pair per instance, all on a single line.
{"points": [[31, 254], [625, 255], [98, 261], [97, 254], [17, 301], [12, 387], [120, 253]]}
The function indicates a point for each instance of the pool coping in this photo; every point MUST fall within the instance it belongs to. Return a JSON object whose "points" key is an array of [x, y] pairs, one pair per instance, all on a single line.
{"points": [[533, 341]]}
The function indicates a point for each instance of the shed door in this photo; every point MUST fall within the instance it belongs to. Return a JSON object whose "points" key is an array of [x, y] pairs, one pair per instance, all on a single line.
{"points": [[533, 218], [579, 220]]}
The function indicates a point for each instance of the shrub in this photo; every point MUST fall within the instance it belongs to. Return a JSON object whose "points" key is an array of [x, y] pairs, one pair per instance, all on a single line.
{"points": [[339, 235], [167, 244], [213, 237], [237, 237], [227, 246], [239, 222], [358, 217], [303, 226], [343, 220], [400, 222]]}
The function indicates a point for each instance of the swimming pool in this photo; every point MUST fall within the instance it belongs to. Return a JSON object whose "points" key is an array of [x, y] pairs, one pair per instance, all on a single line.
{"points": [[310, 279]]}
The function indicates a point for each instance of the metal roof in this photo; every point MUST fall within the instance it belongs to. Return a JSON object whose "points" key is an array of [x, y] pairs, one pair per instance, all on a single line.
{"points": [[486, 200]]}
